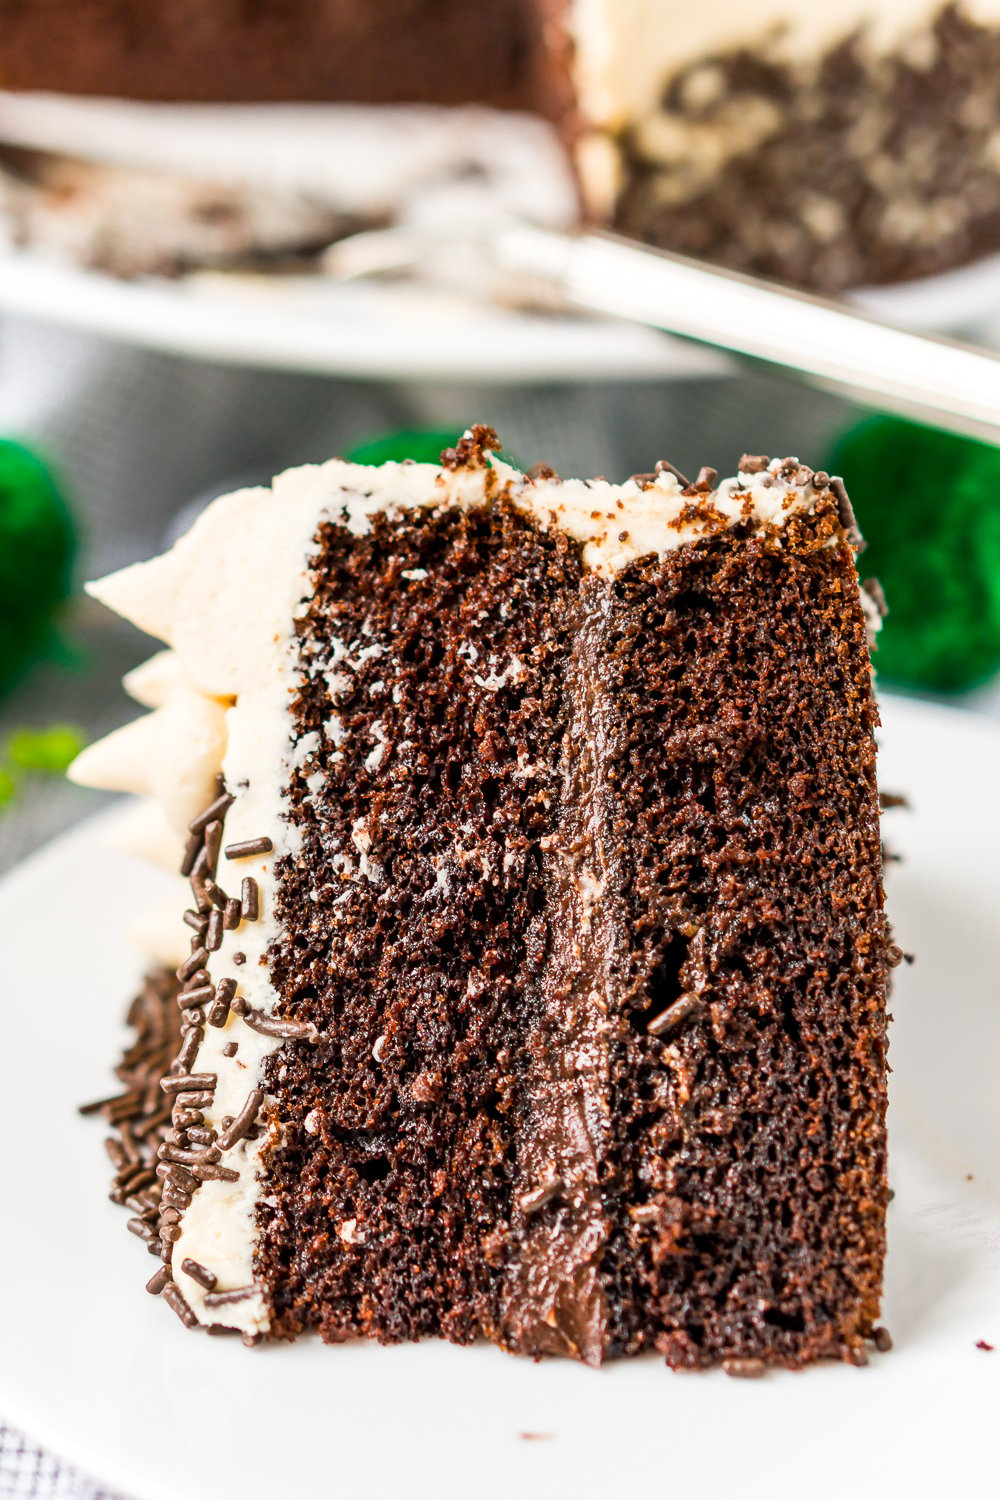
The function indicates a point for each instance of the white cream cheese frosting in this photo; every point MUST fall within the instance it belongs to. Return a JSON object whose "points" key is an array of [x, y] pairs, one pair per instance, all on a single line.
{"points": [[225, 599]]}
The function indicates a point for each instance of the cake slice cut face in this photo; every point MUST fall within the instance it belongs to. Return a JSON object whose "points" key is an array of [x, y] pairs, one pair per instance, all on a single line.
{"points": [[538, 959]]}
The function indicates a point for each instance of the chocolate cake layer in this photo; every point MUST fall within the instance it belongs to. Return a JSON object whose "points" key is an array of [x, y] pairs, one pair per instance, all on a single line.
{"points": [[392, 1192], [749, 1078], [372, 51]]}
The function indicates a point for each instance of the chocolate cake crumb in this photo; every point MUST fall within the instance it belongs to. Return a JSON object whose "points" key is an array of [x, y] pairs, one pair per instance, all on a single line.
{"points": [[473, 450]]}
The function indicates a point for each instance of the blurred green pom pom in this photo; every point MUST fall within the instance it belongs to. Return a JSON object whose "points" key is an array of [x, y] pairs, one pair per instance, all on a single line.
{"points": [[395, 447], [928, 505], [48, 752], [37, 547]]}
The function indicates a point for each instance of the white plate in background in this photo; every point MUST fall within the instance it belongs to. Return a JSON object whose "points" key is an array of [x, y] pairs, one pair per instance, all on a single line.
{"points": [[108, 1379], [965, 301], [312, 324], [418, 166]]}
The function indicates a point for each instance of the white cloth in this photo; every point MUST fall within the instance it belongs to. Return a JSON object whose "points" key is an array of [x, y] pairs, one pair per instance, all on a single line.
{"points": [[26, 1473]]}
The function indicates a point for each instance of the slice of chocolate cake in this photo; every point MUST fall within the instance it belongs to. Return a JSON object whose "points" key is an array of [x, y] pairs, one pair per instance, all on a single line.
{"points": [[538, 964]]}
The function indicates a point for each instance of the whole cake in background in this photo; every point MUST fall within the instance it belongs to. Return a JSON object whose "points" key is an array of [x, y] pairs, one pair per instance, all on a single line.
{"points": [[532, 960], [829, 146]]}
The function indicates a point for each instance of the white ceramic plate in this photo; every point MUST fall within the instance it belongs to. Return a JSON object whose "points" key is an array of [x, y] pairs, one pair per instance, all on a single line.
{"points": [[108, 1378], [966, 300], [411, 163], [314, 325]]}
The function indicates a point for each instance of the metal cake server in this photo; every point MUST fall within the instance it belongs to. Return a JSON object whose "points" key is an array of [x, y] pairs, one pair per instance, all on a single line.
{"points": [[940, 381]]}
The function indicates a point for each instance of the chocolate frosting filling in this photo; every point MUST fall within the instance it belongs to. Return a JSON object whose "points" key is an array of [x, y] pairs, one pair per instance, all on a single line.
{"points": [[553, 1302]]}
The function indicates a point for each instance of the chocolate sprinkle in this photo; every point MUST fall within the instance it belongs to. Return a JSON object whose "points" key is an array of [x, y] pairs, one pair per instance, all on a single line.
{"points": [[278, 1026], [876, 594], [213, 843], [216, 894], [666, 468], [191, 851], [174, 1298], [196, 1099], [243, 1121], [159, 1279], [201, 897], [196, 996], [193, 1039], [212, 1172], [745, 1369], [177, 1083], [250, 900], [192, 964], [672, 1017], [238, 1294], [215, 811], [248, 848], [845, 511], [213, 936], [232, 915], [198, 1273], [116, 1151]]}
